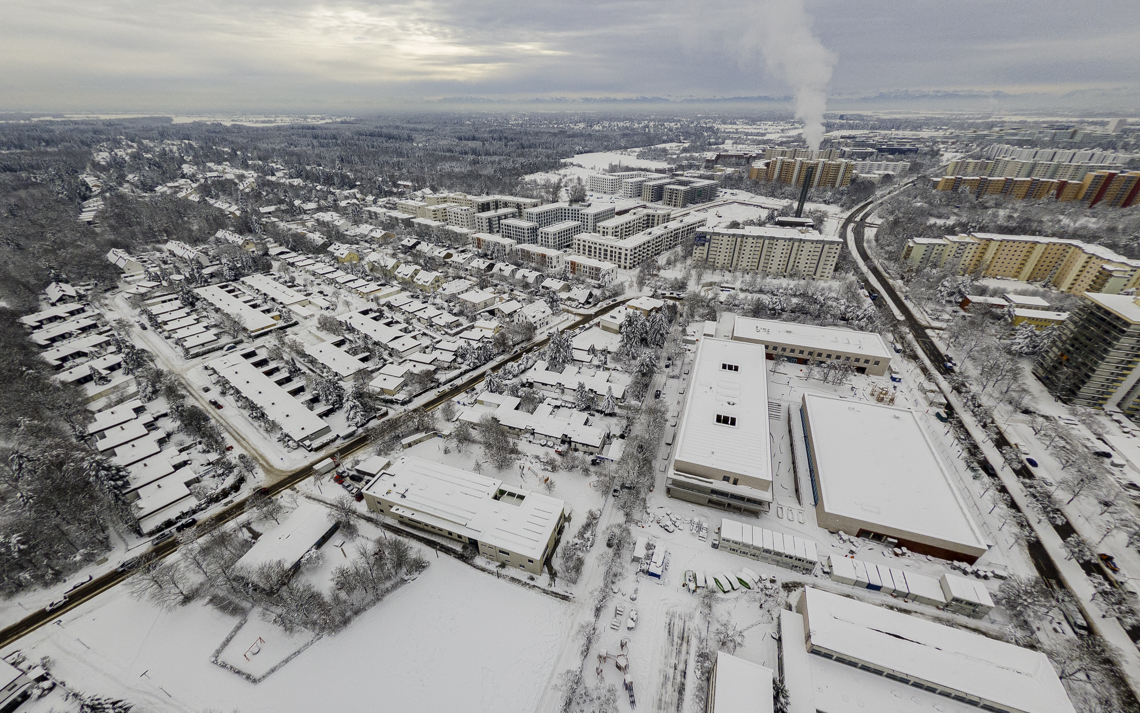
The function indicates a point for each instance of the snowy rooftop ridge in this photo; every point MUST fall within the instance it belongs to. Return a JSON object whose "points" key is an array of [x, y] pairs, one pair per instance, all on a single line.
{"points": [[984, 669]]}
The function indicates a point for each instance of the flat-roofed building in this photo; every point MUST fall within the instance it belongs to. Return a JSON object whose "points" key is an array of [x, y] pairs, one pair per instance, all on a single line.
{"points": [[769, 250], [274, 290], [297, 421], [519, 230], [541, 257], [1093, 360], [739, 686], [587, 268], [490, 221], [884, 650], [335, 359], [723, 454], [230, 300], [628, 253], [506, 524], [559, 236], [866, 352], [875, 473]]}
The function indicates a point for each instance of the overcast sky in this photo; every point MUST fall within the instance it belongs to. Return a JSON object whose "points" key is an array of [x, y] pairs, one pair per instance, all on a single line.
{"points": [[357, 56]]}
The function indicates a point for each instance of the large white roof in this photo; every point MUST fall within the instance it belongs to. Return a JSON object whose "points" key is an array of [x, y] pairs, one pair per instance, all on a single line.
{"points": [[289, 541], [274, 290], [743, 448], [810, 336], [962, 661], [470, 504], [741, 686], [336, 359], [876, 464], [253, 320], [289, 413]]}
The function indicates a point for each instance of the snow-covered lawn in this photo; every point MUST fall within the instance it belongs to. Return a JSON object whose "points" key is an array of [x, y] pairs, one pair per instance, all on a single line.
{"points": [[453, 640]]}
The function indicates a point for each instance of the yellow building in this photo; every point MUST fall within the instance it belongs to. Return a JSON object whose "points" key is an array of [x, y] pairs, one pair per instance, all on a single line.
{"points": [[1068, 265]]}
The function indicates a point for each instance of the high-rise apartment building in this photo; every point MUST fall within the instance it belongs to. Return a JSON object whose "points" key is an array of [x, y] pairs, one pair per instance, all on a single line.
{"points": [[1093, 360], [769, 250]]}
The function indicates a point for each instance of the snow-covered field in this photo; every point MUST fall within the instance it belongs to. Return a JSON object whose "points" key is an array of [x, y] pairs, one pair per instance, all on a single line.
{"points": [[453, 640]]}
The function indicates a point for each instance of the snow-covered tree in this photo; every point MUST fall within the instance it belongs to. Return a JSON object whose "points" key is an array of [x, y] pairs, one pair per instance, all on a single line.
{"points": [[609, 404], [559, 352], [583, 397]]}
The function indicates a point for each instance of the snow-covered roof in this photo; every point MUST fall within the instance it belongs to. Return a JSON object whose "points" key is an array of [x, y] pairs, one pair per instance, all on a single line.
{"points": [[274, 290], [297, 421], [810, 337], [709, 449], [991, 671], [336, 359], [476, 506], [252, 319], [876, 464], [1025, 301], [1125, 306], [52, 313], [288, 542], [114, 416], [740, 686]]}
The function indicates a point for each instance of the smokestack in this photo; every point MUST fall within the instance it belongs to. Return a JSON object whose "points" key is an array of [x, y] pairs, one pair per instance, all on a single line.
{"points": [[808, 173]]}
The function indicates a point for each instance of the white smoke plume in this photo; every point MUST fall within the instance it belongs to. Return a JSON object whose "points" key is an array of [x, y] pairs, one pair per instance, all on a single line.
{"points": [[781, 31]]}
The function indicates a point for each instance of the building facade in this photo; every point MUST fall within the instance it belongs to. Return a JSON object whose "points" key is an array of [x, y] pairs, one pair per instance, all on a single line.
{"points": [[769, 250], [628, 253]]}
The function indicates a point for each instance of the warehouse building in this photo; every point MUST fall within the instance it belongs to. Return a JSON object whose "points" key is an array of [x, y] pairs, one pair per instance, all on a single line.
{"points": [[506, 524], [723, 455], [874, 473], [863, 655], [866, 352]]}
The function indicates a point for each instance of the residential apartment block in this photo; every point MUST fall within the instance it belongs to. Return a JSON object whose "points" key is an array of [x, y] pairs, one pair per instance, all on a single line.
{"points": [[628, 253], [769, 250], [633, 222], [588, 268], [519, 230], [541, 257], [1068, 265], [1092, 362], [826, 172], [585, 213], [559, 236], [1114, 188]]}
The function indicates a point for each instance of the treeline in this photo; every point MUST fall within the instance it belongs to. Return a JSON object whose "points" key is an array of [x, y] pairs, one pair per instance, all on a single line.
{"points": [[59, 499]]}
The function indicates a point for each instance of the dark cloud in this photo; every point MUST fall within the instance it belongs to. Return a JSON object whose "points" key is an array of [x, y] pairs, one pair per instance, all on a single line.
{"points": [[354, 55]]}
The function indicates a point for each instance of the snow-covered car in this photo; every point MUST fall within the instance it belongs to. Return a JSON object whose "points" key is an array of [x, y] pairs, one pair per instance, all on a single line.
{"points": [[632, 619]]}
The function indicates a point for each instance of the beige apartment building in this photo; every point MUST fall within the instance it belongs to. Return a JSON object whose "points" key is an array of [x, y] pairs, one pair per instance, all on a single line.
{"points": [[769, 250], [1068, 265]]}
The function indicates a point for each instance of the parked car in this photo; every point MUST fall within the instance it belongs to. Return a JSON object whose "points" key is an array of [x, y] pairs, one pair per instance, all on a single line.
{"points": [[56, 604], [186, 524], [80, 582], [216, 404], [657, 394], [610, 540], [358, 496], [1032, 463], [1109, 562], [162, 538]]}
